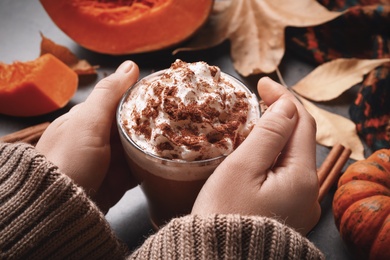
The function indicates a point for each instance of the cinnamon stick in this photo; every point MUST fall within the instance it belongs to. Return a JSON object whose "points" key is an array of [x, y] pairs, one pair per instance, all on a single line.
{"points": [[334, 173], [29, 135], [329, 162]]}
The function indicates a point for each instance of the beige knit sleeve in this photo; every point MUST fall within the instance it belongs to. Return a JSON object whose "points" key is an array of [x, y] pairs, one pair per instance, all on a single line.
{"points": [[44, 215], [226, 237]]}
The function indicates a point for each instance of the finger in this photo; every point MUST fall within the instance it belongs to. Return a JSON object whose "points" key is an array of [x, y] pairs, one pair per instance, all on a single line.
{"points": [[103, 100], [267, 139], [271, 134], [301, 147], [270, 91], [272, 122]]}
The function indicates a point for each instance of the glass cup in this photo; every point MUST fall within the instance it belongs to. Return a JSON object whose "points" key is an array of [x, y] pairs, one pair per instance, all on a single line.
{"points": [[170, 186]]}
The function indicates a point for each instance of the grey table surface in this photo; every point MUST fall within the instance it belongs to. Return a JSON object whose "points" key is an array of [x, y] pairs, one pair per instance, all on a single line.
{"points": [[21, 23]]}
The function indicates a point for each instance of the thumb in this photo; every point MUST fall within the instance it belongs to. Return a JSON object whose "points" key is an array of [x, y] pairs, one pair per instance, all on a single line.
{"points": [[267, 139], [104, 98]]}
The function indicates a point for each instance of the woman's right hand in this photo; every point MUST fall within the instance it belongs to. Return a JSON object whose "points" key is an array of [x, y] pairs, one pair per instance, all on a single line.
{"points": [[273, 172]]}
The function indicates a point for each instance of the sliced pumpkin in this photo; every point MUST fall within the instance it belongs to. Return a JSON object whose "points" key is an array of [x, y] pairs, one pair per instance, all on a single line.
{"points": [[128, 26], [36, 87]]}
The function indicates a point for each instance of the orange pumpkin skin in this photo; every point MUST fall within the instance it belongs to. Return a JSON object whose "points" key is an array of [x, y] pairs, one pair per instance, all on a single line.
{"points": [[125, 27], [382, 241], [361, 206], [382, 157], [36, 87]]}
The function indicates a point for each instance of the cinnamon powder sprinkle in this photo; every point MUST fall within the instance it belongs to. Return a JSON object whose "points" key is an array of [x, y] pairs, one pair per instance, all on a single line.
{"points": [[194, 113], [185, 122]]}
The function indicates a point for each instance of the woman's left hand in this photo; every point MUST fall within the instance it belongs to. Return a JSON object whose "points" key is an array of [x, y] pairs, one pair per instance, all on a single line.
{"points": [[84, 142]]}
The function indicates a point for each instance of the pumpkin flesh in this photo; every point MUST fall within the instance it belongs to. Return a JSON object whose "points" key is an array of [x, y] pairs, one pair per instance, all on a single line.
{"points": [[124, 27], [36, 87]]}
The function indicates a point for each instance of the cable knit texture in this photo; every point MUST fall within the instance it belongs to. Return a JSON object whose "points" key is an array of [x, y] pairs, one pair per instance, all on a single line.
{"points": [[44, 215]]}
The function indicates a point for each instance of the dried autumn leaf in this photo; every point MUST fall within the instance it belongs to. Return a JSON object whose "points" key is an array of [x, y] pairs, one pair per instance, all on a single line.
{"points": [[81, 67], [331, 79], [255, 29], [333, 129]]}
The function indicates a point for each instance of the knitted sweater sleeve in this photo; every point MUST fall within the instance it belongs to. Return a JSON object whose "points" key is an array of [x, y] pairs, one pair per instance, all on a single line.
{"points": [[44, 215], [226, 237]]}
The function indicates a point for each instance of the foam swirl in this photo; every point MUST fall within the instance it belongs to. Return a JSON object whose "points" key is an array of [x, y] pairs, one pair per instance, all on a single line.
{"points": [[191, 112]]}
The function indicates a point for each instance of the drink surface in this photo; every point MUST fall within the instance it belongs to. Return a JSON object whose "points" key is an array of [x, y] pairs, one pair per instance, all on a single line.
{"points": [[190, 112]]}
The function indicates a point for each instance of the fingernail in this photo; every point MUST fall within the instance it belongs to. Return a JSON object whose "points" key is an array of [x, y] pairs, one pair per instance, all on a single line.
{"points": [[284, 107], [125, 66]]}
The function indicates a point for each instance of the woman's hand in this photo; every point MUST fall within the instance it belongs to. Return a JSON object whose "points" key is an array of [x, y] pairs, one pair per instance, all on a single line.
{"points": [[84, 142], [273, 172]]}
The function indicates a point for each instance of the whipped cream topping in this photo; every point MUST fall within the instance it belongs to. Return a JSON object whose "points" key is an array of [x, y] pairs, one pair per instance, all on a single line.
{"points": [[191, 112]]}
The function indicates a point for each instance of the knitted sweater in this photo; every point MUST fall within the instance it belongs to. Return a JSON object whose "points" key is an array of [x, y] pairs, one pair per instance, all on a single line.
{"points": [[44, 215]]}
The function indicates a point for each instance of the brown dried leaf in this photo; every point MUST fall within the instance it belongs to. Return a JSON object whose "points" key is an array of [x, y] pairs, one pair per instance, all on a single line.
{"points": [[331, 79], [256, 30], [333, 129], [81, 67]]}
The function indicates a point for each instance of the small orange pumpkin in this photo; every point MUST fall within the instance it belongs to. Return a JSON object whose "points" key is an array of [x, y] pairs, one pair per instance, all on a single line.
{"points": [[361, 206]]}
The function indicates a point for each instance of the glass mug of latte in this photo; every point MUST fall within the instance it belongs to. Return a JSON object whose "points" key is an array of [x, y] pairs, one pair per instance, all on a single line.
{"points": [[176, 126]]}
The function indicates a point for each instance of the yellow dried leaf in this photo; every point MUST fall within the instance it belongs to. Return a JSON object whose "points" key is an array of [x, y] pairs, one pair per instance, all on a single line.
{"points": [[333, 129], [333, 78], [255, 29]]}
